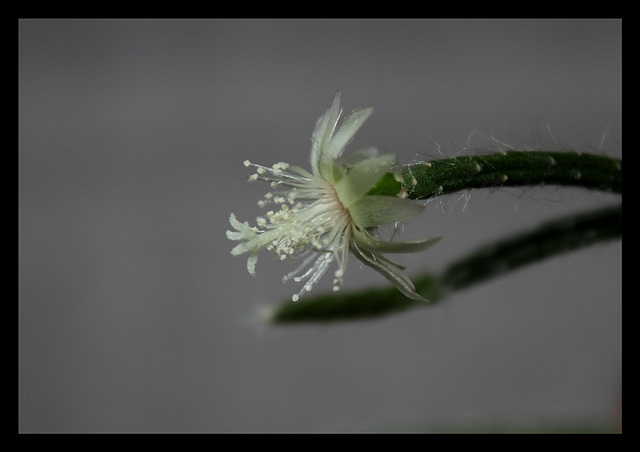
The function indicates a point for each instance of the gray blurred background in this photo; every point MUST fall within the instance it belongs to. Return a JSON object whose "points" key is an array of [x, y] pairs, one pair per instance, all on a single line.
{"points": [[134, 317]]}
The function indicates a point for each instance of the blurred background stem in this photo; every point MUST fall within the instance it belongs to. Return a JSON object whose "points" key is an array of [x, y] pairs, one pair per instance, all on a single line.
{"points": [[550, 239]]}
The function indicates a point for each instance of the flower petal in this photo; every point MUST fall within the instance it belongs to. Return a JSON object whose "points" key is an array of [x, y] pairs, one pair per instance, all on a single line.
{"points": [[371, 243], [389, 270], [349, 127], [322, 133], [359, 155], [328, 141], [376, 210], [361, 177]]}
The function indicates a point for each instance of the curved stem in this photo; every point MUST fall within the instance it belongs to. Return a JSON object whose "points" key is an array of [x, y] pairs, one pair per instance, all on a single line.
{"points": [[491, 261], [552, 238], [513, 168]]}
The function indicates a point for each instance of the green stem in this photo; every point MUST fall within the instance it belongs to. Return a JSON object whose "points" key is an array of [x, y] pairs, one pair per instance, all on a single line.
{"points": [[504, 169], [552, 238], [437, 177]]}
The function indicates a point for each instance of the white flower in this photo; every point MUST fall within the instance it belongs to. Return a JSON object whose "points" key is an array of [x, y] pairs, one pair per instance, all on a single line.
{"points": [[326, 213]]}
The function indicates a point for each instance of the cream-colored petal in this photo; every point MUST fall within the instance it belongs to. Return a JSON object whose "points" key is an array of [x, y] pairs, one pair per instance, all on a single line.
{"points": [[389, 270], [345, 133], [377, 210], [361, 177], [371, 243], [328, 140], [323, 132], [359, 155]]}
